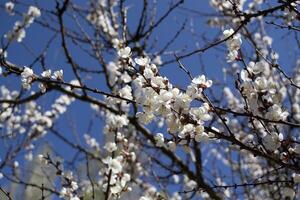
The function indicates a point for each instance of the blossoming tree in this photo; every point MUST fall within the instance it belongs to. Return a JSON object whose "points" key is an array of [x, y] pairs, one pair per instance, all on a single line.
{"points": [[142, 131]]}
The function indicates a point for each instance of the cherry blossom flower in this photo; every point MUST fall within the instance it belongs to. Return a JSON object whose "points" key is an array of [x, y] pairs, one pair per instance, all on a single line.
{"points": [[34, 12], [261, 84], [256, 68], [276, 113], [27, 77], [46, 74], [58, 75], [126, 92], [110, 147], [142, 61], [159, 138], [202, 81], [125, 52], [271, 141], [9, 7], [114, 164], [233, 43]]}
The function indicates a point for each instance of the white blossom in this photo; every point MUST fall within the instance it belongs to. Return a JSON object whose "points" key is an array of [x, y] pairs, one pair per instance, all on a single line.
{"points": [[114, 164], [142, 61], [233, 43], [201, 81], [261, 84], [58, 75], [276, 113], [271, 141], [9, 7], [74, 185], [110, 146], [126, 92], [34, 12], [256, 68], [125, 77], [144, 198], [159, 138], [27, 77], [43, 87], [46, 74], [125, 52], [91, 141], [199, 137]]}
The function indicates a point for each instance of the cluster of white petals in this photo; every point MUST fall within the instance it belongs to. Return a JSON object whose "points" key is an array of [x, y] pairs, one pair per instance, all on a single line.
{"points": [[233, 43], [27, 77], [159, 98], [99, 17], [18, 31], [91, 142]]}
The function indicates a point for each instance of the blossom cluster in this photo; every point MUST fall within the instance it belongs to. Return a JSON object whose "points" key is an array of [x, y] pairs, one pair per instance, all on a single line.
{"points": [[28, 77], [120, 150], [99, 17], [18, 31], [15, 120], [159, 98], [233, 43], [68, 182], [115, 176]]}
